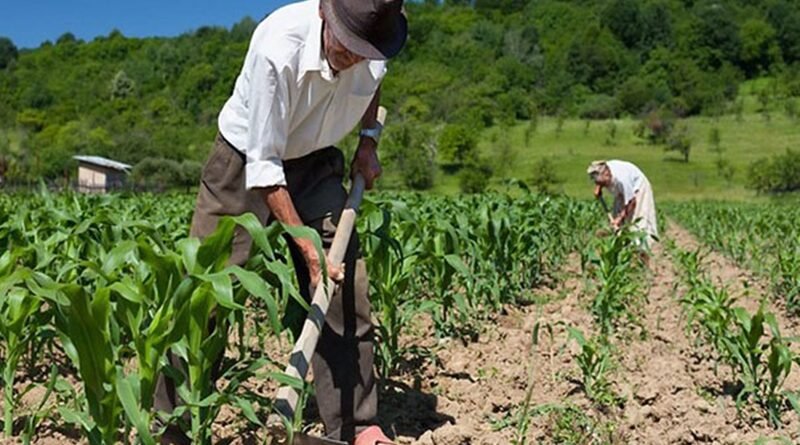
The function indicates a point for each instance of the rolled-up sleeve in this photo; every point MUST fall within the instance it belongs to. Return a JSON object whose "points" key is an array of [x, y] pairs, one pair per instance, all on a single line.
{"points": [[268, 123]]}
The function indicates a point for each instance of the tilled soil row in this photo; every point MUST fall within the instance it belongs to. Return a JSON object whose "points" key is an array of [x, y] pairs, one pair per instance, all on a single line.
{"points": [[457, 393], [674, 392]]}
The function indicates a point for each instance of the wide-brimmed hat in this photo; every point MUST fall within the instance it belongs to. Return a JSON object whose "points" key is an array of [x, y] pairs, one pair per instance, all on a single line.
{"points": [[374, 29]]}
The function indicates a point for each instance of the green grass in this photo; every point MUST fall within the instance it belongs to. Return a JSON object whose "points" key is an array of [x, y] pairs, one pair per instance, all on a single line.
{"points": [[576, 146]]}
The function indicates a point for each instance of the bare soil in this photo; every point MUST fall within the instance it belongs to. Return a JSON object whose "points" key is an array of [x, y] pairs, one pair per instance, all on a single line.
{"points": [[450, 392], [672, 393]]}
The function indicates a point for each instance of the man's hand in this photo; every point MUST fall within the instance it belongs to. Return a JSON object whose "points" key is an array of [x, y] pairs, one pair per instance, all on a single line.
{"points": [[366, 162], [616, 223], [335, 272], [282, 208]]}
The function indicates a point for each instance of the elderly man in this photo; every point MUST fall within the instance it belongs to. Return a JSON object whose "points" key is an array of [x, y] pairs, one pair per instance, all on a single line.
{"points": [[313, 70], [633, 197]]}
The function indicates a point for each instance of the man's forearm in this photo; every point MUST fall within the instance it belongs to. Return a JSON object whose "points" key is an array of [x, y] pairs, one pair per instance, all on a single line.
{"points": [[365, 161], [281, 206], [370, 117], [629, 208]]}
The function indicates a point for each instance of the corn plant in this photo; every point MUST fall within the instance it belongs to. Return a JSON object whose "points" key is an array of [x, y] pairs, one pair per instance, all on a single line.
{"points": [[18, 325], [442, 265], [392, 262], [712, 307], [691, 267], [786, 277], [83, 322], [761, 367], [594, 362], [215, 293], [744, 232], [613, 263]]}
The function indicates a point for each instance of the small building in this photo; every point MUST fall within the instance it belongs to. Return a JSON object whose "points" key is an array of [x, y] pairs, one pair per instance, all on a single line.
{"points": [[99, 175]]}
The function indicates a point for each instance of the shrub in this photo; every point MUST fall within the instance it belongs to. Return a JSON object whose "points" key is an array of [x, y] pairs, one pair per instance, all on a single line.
{"points": [[544, 178], [635, 96], [457, 144], [778, 174], [656, 126], [474, 178], [679, 140], [409, 148], [163, 173], [599, 106]]}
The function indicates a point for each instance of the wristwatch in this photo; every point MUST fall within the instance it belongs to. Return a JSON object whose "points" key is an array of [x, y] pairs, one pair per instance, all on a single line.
{"points": [[372, 133]]}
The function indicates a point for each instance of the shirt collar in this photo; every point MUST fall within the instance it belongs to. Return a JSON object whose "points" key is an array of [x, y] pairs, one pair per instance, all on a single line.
{"points": [[312, 58]]}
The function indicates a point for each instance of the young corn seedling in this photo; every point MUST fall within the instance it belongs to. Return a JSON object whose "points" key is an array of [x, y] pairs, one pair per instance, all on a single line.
{"points": [[392, 262], [712, 307], [443, 265], [761, 367], [594, 361], [18, 325], [780, 361], [614, 265], [83, 323], [786, 278], [691, 268]]}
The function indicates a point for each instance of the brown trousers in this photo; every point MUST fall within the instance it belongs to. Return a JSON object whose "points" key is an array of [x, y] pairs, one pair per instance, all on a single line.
{"points": [[343, 363]]}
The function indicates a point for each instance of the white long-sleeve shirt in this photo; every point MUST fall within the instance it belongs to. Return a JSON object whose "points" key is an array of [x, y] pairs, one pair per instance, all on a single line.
{"points": [[287, 102], [626, 179]]}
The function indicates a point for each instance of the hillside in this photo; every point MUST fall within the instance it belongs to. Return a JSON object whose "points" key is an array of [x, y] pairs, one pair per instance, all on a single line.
{"points": [[483, 66]]}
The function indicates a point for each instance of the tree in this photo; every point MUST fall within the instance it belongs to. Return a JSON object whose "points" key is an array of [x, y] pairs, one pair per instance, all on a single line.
{"points": [[778, 174], [784, 17], [657, 25], [637, 95], [457, 144], [624, 19], [8, 52], [241, 31], [66, 39], [474, 178], [158, 173], [711, 36], [545, 179], [408, 147], [195, 83], [680, 141], [759, 46], [5, 156], [596, 59], [122, 86], [31, 120]]}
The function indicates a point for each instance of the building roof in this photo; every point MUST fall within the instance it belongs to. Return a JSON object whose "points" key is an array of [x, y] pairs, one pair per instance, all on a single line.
{"points": [[103, 162]]}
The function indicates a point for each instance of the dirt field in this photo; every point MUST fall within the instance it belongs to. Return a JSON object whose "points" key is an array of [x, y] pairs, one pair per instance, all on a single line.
{"points": [[472, 394], [671, 393]]}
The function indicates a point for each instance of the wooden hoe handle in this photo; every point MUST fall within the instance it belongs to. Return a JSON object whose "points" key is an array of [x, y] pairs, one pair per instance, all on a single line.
{"points": [[300, 360]]}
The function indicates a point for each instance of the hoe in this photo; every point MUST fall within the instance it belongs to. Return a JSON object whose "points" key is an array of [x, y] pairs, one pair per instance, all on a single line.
{"points": [[287, 397]]}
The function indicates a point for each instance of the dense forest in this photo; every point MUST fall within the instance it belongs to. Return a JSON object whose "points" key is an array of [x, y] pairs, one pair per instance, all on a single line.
{"points": [[468, 65]]}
